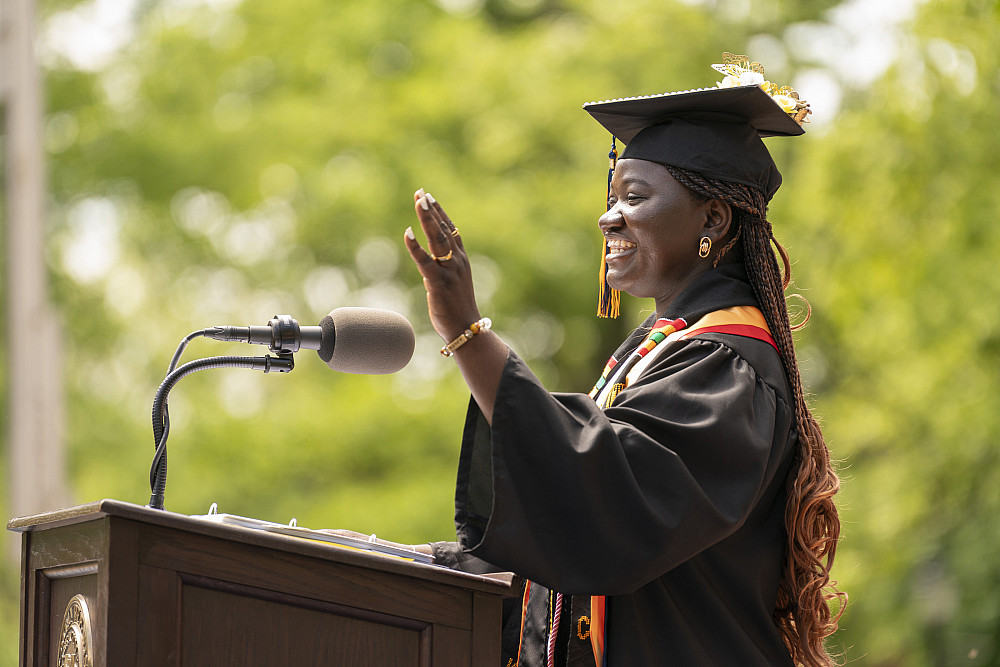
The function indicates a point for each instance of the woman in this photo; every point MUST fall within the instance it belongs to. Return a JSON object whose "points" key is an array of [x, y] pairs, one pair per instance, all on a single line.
{"points": [[682, 512]]}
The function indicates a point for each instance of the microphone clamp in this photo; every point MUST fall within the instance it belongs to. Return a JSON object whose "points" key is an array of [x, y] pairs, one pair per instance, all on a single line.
{"points": [[281, 334]]}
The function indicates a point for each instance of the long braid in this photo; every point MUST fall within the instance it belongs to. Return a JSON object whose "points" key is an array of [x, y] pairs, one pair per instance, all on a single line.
{"points": [[802, 612]]}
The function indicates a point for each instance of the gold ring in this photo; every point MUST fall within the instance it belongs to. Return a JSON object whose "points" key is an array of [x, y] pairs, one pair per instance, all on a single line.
{"points": [[444, 258], [454, 232]]}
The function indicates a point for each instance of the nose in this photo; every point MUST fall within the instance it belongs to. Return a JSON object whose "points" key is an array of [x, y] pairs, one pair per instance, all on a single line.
{"points": [[612, 219]]}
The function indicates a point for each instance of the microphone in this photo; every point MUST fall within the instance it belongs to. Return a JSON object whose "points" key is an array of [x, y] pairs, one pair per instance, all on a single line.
{"points": [[364, 341]]}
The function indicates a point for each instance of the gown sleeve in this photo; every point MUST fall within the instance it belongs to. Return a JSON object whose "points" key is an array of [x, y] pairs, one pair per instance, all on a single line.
{"points": [[592, 502]]}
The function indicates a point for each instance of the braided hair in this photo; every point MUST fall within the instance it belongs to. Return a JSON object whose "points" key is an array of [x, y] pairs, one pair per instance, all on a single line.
{"points": [[805, 592]]}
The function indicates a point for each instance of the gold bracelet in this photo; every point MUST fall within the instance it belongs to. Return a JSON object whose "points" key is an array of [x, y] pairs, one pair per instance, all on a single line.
{"points": [[474, 328]]}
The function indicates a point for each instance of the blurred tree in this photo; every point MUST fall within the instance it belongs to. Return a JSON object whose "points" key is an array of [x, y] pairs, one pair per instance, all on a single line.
{"points": [[230, 163], [234, 161], [895, 211]]}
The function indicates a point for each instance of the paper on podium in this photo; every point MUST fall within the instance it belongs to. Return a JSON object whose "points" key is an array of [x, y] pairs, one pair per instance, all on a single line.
{"points": [[344, 539]]}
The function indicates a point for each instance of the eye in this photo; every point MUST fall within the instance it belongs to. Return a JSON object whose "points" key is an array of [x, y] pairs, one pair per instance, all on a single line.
{"points": [[633, 198]]}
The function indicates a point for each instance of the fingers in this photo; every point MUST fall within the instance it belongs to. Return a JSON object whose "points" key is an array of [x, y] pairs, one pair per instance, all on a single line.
{"points": [[456, 238], [435, 228], [444, 266], [442, 234], [446, 222], [429, 262], [421, 257]]}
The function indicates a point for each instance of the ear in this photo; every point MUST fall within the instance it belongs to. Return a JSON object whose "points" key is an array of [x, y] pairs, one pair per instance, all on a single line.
{"points": [[718, 218]]}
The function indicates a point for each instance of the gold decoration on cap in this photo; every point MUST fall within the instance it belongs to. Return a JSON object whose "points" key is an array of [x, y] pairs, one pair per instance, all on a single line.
{"points": [[741, 71]]}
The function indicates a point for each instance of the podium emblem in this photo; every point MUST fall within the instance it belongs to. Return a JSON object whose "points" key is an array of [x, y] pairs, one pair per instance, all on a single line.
{"points": [[75, 637]]}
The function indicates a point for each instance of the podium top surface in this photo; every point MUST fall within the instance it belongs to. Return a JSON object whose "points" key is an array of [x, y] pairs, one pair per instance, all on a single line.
{"points": [[116, 509]]}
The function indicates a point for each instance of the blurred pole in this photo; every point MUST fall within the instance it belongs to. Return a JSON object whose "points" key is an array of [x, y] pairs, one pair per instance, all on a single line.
{"points": [[36, 472]]}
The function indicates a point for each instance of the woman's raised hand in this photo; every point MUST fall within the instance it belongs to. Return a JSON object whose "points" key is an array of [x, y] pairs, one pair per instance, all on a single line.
{"points": [[451, 300], [444, 265]]}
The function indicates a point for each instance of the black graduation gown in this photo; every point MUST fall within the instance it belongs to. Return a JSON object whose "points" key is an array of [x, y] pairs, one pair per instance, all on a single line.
{"points": [[670, 502]]}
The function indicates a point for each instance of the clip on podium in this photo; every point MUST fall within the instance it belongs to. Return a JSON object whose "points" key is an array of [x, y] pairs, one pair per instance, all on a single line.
{"points": [[112, 584]]}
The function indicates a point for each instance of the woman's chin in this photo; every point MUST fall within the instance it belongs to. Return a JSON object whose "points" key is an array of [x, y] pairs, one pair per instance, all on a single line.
{"points": [[619, 276], [620, 284]]}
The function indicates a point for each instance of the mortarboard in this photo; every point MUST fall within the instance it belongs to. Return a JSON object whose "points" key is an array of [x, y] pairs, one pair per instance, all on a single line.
{"points": [[716, 132], [713, 131]]}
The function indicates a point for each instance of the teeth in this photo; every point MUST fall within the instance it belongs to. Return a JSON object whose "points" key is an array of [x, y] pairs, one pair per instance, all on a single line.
{"points": [[618, 245]]}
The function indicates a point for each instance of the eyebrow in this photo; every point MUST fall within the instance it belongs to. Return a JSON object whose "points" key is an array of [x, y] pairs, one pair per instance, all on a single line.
{"points": [[634, 180]]}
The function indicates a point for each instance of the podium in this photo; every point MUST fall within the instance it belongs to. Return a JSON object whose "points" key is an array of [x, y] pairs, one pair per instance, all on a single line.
{"points": [[112, 584]]}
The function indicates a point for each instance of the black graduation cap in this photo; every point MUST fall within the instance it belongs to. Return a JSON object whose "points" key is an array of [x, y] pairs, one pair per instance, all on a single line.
{"points": [[713, 131]]}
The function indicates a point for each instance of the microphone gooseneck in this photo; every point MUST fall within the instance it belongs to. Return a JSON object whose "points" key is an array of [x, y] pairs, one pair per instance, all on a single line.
{"points": [[161, 420], [350, 340]]}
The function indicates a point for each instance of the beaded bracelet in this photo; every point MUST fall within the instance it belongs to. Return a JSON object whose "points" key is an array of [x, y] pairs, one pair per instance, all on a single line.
{"points": [[474, 328]]}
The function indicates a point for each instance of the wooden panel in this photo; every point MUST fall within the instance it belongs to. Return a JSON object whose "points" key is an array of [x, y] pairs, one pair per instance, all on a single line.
{"points": [[498, 584], [28, 623], [58, 564], [452, 646], [159, 618], [362, 587], [56, 586], [118, 595], [232, 625], [170, 591], [67, 545], [488, 628]]}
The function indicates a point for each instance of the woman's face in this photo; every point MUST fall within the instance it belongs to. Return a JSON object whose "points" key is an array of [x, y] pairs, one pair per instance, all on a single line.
{"points": [[653, 228]]}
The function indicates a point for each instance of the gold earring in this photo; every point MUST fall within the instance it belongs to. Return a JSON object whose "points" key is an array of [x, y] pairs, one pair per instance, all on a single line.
{"points": [[704, 247]]}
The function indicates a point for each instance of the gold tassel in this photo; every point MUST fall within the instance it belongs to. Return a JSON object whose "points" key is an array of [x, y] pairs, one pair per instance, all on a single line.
{"points": [[609, 299], [613, 394]]}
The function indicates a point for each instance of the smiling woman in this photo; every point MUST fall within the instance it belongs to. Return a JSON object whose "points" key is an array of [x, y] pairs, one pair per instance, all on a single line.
{"points": [[682, 511], [653, 228]]}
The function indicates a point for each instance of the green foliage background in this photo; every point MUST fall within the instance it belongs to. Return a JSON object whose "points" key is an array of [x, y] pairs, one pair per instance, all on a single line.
{"points": [[238, 160]]}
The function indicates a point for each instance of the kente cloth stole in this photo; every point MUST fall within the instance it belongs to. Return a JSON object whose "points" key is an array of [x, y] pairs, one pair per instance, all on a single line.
{"points": [[745, 321]]}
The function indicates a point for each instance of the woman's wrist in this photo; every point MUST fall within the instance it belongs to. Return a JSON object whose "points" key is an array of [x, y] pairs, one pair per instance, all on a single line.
{"points": [[481, 325]]}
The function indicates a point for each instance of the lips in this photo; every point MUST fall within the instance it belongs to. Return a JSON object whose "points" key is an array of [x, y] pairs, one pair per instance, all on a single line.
{"points": [[619, 247]]}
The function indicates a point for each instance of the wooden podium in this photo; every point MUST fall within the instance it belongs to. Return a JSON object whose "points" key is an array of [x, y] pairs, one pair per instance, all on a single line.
{"points": [[128, 585]]}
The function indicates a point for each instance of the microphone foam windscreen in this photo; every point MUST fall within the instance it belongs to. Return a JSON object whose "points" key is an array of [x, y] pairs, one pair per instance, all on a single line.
{"points": [[366, 341]]}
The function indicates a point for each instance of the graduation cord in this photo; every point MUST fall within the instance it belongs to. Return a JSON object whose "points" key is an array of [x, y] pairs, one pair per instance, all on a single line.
{"points": [[745, 321], [661, 329], [550, 649]]}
